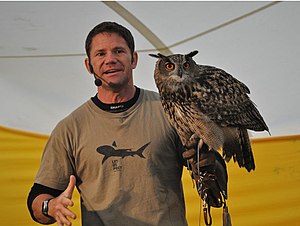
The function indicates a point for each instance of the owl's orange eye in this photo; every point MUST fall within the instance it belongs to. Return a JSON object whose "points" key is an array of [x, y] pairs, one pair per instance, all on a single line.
{"points": [[186, 65], [169, 66]]}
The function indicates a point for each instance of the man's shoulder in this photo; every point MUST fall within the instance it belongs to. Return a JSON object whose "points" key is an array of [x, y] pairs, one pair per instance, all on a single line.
{"points": [[80, 110], [150, 94], [75, 116]]}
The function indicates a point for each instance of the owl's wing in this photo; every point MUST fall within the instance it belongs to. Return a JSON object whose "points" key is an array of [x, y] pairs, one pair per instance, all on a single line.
{"points": [[225, 100]]}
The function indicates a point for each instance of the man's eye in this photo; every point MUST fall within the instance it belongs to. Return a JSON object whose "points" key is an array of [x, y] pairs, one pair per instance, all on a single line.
{"points": [[100, 54], [119, 51]]}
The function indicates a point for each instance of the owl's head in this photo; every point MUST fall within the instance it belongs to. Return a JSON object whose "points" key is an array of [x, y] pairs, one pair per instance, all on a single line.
{"points": [[174, 70]]}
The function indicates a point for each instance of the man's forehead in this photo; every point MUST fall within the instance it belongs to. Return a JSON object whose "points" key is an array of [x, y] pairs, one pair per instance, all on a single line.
{"points": [[106, 39]]}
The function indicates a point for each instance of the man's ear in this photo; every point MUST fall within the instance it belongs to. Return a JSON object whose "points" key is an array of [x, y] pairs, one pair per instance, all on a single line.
{"points": [[88, 65], [134, 60]]}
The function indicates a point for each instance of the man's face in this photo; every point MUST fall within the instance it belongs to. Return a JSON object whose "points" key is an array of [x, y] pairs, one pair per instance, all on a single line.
{"points": [[111, 60]]}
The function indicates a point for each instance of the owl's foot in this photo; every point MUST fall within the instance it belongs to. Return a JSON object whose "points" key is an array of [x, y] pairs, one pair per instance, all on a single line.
{"points": [[193, 145], [193, 141]]}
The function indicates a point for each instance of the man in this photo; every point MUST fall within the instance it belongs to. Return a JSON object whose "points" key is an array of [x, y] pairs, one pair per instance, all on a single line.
{"points": [[118, 149]]}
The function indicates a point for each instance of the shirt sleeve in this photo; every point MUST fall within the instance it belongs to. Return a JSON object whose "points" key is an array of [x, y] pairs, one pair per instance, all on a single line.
{"points": [[57, 162]]}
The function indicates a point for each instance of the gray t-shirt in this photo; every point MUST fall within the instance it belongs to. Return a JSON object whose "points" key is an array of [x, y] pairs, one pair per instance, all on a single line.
{"points": [[128, 165]]}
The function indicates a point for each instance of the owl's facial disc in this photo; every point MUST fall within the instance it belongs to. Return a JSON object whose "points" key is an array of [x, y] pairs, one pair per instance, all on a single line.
{"points": [[177, 70]]}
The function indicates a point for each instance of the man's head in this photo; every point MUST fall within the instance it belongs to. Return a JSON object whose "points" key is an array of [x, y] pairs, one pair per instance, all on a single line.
{"points": [[111, 56], [110, 27]]}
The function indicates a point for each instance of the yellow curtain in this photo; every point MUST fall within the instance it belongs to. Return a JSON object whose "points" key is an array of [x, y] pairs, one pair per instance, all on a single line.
{"points": [[268, 196]]}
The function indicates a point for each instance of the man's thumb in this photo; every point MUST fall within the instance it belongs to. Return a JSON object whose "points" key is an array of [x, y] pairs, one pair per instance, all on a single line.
{"points": [[69, 190]]}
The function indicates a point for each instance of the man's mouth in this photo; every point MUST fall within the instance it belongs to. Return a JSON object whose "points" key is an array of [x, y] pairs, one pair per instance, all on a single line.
{"points": [[111, 71]]}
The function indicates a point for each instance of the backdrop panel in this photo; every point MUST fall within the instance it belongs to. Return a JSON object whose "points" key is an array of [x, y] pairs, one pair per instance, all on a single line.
{"points": [[268, 196]]}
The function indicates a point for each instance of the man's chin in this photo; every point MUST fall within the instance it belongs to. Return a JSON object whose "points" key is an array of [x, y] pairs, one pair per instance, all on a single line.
{"points": [[117, 86]]}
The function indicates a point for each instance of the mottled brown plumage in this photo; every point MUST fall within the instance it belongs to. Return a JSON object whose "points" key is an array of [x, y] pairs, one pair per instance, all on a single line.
{"points": [[210, 103]]}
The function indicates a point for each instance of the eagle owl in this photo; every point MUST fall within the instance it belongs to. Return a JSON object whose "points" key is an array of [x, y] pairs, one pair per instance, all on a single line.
{"points": [[208, 103]]}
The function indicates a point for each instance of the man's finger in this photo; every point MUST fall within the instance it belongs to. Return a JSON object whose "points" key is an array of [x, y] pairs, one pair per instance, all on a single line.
{"points": [[69, 190]]}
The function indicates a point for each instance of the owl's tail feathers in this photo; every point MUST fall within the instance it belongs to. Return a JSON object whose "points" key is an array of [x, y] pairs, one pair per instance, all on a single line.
{"points": [[247, 150], [237, 146], [255, 121]]}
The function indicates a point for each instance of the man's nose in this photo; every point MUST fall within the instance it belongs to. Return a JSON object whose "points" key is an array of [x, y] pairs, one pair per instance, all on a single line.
{"points": [[110, 58]]}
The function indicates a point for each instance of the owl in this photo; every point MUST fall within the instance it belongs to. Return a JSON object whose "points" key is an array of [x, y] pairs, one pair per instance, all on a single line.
{"points": [[208, 103]]}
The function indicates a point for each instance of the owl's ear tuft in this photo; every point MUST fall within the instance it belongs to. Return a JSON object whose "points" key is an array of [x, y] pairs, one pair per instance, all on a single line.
{"points": [[154, 55], [193, 53], [159, 55]]}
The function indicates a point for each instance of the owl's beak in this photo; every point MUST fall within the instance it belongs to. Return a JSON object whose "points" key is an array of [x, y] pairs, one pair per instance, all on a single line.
{"points": [[180, 71]]}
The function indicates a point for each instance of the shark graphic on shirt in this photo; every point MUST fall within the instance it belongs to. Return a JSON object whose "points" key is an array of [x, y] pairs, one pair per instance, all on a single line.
{"points": [[110, 151]]}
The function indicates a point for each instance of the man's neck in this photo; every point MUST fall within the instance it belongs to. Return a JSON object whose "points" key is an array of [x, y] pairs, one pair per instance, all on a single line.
{"points": [[118, 96], [117, 107]]}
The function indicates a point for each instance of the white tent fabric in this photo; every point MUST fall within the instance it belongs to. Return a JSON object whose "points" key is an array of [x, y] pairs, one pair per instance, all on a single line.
{"points": [[42, 72]]}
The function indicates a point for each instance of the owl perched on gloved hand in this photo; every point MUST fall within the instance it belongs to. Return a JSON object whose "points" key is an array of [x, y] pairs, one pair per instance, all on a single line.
{"points": [[207, 103]]}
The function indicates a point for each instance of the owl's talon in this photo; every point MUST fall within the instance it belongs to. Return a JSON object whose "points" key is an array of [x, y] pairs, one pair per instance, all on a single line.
{"points": [[192, 142]]}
